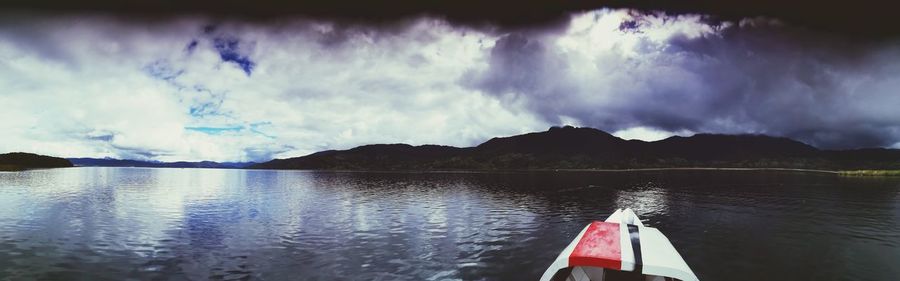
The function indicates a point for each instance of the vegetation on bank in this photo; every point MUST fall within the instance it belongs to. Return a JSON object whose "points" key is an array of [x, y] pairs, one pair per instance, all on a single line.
{"points": [[9, 168], [870, 173]]}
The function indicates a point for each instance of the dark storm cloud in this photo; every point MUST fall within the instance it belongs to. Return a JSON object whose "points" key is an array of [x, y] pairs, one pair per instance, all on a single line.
{"points": [[516, 74], [827, 91], [860, 18], [522, 63], [756, 77]]}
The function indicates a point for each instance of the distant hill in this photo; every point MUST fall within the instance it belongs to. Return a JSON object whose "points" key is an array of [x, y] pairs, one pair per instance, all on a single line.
{"points": [[17, 161], [371, 157], [587, 148], [110, 162]]}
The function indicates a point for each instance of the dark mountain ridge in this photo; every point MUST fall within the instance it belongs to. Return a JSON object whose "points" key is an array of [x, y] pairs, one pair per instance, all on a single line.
{"points": [[587, 148], [368, 157], [557, 140], [16, 161]]}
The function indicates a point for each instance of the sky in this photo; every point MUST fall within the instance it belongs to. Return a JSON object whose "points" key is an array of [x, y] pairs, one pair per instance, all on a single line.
{"points": [[170, 83]]}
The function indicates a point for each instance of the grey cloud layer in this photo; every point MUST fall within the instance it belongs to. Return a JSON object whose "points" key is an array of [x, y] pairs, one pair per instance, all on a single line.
{"points": [[196, 89], [755, 77]]}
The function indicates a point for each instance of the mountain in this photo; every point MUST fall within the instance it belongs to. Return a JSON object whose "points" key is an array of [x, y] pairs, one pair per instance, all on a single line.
{"points": [[587, 148], [558, 140], [371, 157], [110, 162], [17, 161]]}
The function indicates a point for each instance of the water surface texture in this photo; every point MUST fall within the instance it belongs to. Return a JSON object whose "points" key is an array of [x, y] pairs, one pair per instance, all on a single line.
{"points": [[199, 224]]}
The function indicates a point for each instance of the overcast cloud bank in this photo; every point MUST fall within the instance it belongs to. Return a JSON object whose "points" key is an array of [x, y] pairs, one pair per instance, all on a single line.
{"points": [[202, 89]]}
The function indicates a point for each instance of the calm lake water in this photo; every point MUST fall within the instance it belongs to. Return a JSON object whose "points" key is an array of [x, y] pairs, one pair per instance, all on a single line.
{"points": [[198, 224]]}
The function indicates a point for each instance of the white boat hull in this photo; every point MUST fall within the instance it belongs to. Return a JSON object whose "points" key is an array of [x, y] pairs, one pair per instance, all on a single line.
{"points": [[619, 248]]}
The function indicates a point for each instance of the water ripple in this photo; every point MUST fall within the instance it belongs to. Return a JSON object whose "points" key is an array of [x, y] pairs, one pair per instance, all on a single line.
{"points": [[189, 224]]}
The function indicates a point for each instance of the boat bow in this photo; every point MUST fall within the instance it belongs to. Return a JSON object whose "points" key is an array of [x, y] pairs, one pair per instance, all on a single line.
{"points": [[619, 245]]}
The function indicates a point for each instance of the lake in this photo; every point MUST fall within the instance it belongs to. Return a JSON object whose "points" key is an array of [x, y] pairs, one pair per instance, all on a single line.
{"points": [[197, 224]]}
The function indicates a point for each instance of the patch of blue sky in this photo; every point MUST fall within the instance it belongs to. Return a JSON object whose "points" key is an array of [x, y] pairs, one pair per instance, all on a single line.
{"points": [[162, 70], [208, 104], [191, 46], [229, 51], [252, 128], [215, 130], [206, 108]]}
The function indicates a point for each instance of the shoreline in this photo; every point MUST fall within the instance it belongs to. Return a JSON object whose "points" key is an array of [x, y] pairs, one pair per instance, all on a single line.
{"points": [[819, 171], [705, 169], [870, 173], [847, 173]]}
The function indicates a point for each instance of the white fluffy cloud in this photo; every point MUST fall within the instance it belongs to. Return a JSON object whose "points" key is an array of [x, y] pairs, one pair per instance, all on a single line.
{"points": [[179, 91]]}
